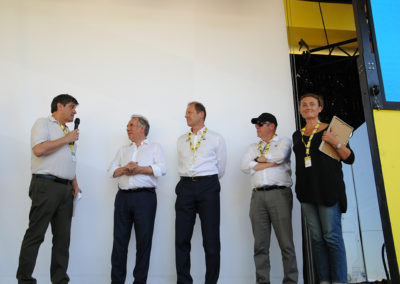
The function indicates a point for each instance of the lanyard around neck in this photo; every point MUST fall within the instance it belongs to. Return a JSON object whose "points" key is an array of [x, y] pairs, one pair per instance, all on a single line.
{"points": [[308, 145], [64, 129], [266, 148], [194, 149]]}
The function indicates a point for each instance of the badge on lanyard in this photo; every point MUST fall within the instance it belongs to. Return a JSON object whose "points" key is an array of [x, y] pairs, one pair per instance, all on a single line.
{"points": [[307, 161], [307, 158]]}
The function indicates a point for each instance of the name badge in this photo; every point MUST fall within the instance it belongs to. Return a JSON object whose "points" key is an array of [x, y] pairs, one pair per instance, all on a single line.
{"points": [[307, 161], [73, 157]]}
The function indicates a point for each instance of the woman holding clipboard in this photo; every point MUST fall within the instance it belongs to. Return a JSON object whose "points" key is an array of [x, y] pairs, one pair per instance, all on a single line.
{"points": [[321, 191]]}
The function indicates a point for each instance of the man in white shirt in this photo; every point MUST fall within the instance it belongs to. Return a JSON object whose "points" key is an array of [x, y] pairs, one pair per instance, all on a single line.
{"points": [[201, 162], [268, 163], [137, 167]]}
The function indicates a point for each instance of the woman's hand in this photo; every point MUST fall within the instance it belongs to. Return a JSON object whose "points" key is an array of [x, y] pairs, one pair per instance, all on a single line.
{"points": [[330, 137]]}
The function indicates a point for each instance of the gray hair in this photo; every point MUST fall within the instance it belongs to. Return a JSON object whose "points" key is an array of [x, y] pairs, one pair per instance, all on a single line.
{"points": [[142, 122]]}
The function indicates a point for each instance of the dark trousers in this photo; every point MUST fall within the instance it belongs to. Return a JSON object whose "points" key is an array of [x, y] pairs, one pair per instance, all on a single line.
{"points": [[136, 209], [200, 196], [51, 204]]}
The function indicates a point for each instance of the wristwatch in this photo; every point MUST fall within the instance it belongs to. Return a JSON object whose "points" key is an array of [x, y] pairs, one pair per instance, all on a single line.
{"points": [[338, 146]]}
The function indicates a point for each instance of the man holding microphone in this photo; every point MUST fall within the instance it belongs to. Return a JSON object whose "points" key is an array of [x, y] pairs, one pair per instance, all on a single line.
{"points": [[52, 189]]}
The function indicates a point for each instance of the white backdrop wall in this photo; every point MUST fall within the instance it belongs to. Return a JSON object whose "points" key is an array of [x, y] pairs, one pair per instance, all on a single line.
{"points": [[150, 57]]}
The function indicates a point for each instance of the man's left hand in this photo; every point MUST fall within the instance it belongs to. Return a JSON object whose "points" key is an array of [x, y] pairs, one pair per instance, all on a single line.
{"points": [[262, 159], [75, 191]]}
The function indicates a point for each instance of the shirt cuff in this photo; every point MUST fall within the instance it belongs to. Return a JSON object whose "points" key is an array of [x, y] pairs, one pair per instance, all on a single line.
{"points": [[111, 172], [156, 170], [251, 166], [37, 142]]}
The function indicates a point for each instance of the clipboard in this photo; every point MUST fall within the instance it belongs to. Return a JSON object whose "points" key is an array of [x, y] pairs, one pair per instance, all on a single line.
{"points": [[343, 133]]}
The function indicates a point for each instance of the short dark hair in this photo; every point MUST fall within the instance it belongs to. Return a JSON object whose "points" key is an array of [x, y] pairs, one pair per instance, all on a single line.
{"points": [[62, 99], [199, 107], [142, 122], [315, 96]]}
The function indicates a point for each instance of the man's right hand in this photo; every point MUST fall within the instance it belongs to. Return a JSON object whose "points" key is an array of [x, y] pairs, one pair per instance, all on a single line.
{"points": [[130, 168], [72, 136], [48, 147]]}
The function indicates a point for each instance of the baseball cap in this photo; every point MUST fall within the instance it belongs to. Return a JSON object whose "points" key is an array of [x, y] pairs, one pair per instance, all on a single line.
{"points": [[264, 117]]}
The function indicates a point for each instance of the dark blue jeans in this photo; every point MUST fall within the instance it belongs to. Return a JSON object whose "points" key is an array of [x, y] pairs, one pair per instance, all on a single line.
{"points": [[329, 252], [202, 197], [136, 209]]}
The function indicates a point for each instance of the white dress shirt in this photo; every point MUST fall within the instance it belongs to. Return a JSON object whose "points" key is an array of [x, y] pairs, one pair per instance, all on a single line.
{"points": [[279, 153], [147, 154], [208, 159]]}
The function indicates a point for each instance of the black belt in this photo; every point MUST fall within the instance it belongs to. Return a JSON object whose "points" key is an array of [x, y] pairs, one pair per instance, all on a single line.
{"points": [[197, 178], [139, 189], [269, 187], [53, 178]]}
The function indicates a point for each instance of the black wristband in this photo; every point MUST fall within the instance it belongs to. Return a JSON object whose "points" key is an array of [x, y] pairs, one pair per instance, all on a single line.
{"points": [[255, 160]]}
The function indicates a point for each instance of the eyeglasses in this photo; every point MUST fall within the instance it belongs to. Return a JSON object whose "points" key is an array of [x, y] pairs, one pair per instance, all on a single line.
{"points": [[259, 123]]}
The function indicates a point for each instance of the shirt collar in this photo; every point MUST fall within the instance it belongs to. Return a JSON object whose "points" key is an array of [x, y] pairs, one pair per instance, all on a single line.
{"points": [[52, 119], [145, 141], [200, 131], [276, 138]]}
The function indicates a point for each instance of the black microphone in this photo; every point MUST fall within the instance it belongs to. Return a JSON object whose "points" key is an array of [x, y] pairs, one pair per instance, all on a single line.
{"points": [[77, 121]]}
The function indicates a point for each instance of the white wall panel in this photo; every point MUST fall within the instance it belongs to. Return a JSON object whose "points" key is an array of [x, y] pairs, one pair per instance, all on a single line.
{"points": [[151, 57]]}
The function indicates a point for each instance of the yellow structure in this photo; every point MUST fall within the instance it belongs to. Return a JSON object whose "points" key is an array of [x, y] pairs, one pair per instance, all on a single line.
{"points": [[387, 131], [303, 21]]}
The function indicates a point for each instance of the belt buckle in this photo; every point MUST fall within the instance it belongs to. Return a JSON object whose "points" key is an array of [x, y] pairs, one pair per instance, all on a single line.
{"points": [[194, 178]]}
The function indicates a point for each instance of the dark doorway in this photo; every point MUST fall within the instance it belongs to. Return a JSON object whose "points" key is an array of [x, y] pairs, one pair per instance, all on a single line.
{"points": [[335, 78]]}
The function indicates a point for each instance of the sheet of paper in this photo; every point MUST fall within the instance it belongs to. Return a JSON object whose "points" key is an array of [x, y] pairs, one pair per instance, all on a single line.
{"points": [[75, 202]]}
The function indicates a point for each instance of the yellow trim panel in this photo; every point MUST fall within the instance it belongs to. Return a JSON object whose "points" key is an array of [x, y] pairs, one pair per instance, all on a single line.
{"points": [[387, 124]]}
